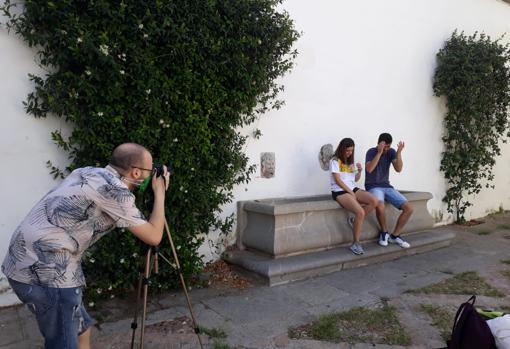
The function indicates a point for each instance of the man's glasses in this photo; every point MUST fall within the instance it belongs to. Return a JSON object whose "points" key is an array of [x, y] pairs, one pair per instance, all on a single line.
{"points": [[141, 168]]}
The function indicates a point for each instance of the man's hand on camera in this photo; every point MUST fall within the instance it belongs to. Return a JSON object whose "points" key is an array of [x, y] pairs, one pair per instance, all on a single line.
{"points": [[160, 184], [166, 175]]}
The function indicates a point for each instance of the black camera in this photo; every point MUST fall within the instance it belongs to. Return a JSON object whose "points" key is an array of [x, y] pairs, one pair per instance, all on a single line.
{"points": [[159, 170]]}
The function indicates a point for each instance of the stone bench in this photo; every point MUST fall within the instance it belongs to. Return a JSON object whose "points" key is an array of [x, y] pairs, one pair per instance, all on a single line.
{"points": [[286, 239]]}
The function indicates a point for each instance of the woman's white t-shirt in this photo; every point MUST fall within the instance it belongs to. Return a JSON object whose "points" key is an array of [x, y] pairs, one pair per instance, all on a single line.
{"points": [[347, 174]]}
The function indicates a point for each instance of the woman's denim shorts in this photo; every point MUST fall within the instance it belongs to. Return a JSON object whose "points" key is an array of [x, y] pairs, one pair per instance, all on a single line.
{"points": [[60, 313]]}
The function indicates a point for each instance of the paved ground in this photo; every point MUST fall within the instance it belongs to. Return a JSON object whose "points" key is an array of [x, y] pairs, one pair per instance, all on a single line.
{"points": [[259, 317]]}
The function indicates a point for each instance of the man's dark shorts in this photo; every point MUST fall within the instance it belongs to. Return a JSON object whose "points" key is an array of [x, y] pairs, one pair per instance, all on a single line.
{"points": [[60, 313]]}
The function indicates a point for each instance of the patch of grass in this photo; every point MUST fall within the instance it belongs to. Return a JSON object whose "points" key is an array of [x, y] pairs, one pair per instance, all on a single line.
{"points": [[325, 328], [213, 332], [506, 273], [442, 319], [358, 325], [505, 261], [220, 345], [483, 232], [493, 213], [506, 308], [504, 226], [464, 283]]}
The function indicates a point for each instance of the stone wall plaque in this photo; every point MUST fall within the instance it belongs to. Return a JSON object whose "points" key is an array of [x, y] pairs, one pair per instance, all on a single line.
{"points": [[267, 165], [325, 154]]}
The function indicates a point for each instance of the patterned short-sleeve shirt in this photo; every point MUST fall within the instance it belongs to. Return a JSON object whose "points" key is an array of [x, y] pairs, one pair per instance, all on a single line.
{"points": [[46, 248]]}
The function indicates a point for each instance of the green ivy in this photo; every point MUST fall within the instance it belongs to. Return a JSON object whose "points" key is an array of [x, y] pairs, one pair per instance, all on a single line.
{"points": [[180, 77], [473, 74]]}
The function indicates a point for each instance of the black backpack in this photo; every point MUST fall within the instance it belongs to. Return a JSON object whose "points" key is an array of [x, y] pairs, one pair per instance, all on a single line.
{"points": [[470, 331]]}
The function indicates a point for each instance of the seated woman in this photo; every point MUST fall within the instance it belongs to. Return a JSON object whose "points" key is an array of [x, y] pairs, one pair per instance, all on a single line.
{"points": [[343, 178]]}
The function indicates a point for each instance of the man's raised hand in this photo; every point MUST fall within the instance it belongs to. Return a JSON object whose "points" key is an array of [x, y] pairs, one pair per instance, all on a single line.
{"points": [[380, 147], [400, 146]]}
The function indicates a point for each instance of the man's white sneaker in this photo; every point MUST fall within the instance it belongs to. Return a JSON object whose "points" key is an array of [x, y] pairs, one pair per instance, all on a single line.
{"points": [[383, 238], [398, 240]]}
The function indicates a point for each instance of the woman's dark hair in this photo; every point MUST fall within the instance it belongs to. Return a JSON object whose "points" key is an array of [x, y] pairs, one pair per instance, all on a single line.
{"points": [[340, 151]]}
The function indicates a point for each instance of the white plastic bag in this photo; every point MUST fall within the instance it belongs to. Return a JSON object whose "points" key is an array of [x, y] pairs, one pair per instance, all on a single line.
{"points": [[500, 328]]}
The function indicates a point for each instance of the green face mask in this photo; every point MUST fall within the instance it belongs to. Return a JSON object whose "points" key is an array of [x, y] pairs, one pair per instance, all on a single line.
{"points": [[144, 184]]}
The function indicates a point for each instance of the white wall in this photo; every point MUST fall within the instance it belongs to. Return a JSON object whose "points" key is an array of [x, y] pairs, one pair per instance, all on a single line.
{"points": [[25, 144], [364, 67]]}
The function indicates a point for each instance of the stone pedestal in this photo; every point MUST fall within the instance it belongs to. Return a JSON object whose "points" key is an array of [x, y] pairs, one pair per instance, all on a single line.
{"points": [[290, 239], [291, 226]]}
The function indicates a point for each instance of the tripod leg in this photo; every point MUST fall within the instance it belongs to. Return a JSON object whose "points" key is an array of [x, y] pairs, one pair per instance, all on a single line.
{"points": [[134, 324], [183, 284], [145, 291]]}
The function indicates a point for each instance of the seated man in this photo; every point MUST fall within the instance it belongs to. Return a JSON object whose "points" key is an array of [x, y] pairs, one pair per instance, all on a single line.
{"points": [[377, 172]]}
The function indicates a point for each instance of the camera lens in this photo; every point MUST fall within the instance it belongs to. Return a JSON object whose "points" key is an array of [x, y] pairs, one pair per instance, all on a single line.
{"points": [[160, 170]]}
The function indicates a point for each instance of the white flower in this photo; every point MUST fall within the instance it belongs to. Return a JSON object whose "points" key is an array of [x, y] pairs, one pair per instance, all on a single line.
{"points": [[181, 188], [122, 56], [148, 91], [88, 72], [99, 291], [100, 113], [140, 26], [104, 49], [176, 140], [92, 260], [259, 41], [122, 72], [122, 261], [110, 288], [79, 40], [167, 125], [178, 247], [134, 255], [192, 169], [161, 121], [145, 36], [112, 296], [91, 304], [63, 32]]}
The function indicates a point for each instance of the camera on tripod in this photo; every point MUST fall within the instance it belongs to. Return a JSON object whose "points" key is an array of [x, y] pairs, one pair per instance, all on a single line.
{"points": [[159, 169]]}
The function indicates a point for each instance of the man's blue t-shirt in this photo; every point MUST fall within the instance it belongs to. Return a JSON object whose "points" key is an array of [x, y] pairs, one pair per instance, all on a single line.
{"points": [[380, 176]]}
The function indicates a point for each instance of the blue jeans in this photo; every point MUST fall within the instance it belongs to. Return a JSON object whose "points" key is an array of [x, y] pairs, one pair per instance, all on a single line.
{"points": [[60, 313], [389, 194]]}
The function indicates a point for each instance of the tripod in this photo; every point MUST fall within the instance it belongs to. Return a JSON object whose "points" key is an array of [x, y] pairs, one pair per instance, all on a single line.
{"points": [[152, 257]]}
